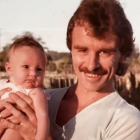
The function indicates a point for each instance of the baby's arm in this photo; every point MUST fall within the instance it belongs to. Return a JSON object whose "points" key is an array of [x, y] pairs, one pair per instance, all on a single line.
{"points": [[41, 109]]}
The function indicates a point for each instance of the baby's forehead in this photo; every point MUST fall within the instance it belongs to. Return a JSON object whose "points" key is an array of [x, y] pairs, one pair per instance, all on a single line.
{"points": [[26, 52]]}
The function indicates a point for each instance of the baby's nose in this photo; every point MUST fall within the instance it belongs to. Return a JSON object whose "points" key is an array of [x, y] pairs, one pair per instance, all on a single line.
{"points": [[33, 73]]}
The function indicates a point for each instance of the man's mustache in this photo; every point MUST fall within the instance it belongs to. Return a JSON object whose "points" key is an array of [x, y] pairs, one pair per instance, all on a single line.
{"points": [[98, 71]]}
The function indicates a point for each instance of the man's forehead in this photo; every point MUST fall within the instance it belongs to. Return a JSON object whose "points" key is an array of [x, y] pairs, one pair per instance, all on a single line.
{"points": [[81, 36], [86, 30]]}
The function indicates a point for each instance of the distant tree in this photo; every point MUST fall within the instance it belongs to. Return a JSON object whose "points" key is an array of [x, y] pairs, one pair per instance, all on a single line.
{"points": [[39, 39], [61, 66], [4, 52], [51, 66], [58, 55], [3, 57]]}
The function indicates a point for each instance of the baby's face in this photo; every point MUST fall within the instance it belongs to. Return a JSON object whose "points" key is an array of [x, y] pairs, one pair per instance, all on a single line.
{"points": [[27, 67]]}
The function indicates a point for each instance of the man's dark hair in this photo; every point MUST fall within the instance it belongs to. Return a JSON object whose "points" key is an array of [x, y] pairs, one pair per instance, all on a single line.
{"points": [[25, 40], [102, 17]]}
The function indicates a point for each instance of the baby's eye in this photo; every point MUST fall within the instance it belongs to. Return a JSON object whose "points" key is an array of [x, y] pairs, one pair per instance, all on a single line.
{"points": [[39, 69], [26, 66]]}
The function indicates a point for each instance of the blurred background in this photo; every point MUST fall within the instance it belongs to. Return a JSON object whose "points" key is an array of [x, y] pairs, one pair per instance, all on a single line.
{"points": [[47, 21]]}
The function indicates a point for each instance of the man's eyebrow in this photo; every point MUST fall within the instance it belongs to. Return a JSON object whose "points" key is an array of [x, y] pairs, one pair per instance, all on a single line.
{"points": [[110, 49], [79, 47]]}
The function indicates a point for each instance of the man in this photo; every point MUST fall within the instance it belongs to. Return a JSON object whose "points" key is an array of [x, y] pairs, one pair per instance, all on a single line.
{"points": [[100, 39]]}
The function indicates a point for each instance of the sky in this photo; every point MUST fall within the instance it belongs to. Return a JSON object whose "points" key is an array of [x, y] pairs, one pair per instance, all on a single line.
{"points": [[48, 19]]}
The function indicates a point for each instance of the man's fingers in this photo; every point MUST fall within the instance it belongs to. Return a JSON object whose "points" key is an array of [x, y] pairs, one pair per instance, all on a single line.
{"points": [[2, 129], [26, 98], [4, 90], [2, 102], [5, 113], [24, 107], [15, 112], [9, 124], [13, 119]]}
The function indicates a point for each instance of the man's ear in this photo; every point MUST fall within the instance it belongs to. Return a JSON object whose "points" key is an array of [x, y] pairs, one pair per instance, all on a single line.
{"points": [[122, 58], [122, 66], [8, 68]]}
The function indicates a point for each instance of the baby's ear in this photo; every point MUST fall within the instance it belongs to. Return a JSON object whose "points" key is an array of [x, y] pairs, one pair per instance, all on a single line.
{"points": [[8, 68]]}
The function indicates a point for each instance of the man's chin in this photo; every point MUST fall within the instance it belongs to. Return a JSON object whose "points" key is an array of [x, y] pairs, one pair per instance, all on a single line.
{"points": [[92, 87]]}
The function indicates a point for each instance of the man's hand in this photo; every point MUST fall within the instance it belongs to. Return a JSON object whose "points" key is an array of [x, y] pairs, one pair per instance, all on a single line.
{"points": [[2, 126], [27, 123]]}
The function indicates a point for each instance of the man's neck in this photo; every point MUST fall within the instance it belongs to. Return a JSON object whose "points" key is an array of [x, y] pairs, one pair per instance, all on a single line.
{"points": [[85, 96]]}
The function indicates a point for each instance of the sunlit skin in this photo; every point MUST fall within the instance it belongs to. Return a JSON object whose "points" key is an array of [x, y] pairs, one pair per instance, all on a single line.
{"points": [[26, 67], [95, 61]]}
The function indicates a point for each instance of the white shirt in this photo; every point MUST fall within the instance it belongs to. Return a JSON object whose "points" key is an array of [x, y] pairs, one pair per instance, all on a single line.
{"points": [[14, 88], [110, 118]]}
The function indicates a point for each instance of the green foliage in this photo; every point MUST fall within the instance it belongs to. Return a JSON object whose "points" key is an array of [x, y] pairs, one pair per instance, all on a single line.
{"points": [[62, 64], [51, 66], [131, 95], [57, 60], [3, 57], [58, 55], [4, 52], [135, 61]]}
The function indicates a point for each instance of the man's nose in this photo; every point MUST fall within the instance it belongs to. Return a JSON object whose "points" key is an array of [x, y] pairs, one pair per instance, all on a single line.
{"points": [[92, 62]]}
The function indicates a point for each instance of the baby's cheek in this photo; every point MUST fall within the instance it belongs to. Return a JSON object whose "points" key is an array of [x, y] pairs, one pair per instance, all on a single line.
{"points": [[40, 82]]}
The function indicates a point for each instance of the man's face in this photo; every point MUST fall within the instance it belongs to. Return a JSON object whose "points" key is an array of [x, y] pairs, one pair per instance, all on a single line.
{"points": [[27, 67], [95, 61]]}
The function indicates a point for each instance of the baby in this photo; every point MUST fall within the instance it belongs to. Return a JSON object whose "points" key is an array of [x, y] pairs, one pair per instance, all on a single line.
{"points": [[26, 61]]}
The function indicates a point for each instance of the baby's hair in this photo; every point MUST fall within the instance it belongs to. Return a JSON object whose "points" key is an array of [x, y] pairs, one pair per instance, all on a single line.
{"points": [[23, 41]]}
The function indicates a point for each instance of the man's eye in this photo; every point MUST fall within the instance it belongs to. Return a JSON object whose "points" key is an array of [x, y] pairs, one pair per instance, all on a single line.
{"points": [[105, 53], [26, 66], [82, 50]]}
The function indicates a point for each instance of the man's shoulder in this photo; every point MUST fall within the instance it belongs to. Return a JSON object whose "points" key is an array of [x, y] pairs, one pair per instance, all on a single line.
{"points": [[124, 120], [125, 124], [123, 108], [56, 96], [127, 113]]}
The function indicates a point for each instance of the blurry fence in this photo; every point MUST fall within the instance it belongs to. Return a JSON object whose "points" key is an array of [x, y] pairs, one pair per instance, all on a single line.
{"points": [[53, 80], [128, 86], [61, 82]]}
